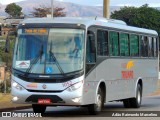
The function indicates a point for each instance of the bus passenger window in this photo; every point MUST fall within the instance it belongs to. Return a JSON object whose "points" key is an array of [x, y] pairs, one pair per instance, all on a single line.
{"points": [[144, 46], [155, 47], [151, 47], [113, 44], [124, 44], [102, 43], [134, 45]]}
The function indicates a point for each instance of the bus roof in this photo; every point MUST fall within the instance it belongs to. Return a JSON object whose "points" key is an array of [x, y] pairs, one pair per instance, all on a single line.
{"points": [[88, 21]]}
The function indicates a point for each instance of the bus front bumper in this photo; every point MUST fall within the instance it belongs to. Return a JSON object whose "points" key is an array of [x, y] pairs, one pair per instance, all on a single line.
{"points": [[64, 98]]}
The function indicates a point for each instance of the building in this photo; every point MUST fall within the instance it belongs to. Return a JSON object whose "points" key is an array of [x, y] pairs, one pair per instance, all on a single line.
{"points": [[1, 23], [7, 25]]}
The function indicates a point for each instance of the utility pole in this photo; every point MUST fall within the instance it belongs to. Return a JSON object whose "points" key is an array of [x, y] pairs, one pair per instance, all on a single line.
{"points": [[52, 8], [106, 8]]}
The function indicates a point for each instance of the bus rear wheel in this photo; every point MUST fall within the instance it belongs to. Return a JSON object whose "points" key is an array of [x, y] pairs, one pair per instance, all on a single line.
{"points": [[94, 109], [126, 103], [134, 102], [39, 108]]}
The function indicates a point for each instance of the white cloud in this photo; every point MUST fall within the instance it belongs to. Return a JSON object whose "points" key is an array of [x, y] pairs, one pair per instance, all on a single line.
{"points": [[154, 4], [4, 2], [60, 0], [138, 5], [99, 5], [126, 5]]}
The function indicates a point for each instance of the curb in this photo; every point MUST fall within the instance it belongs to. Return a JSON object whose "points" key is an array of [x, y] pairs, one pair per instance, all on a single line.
{"points": [[14, 108]]}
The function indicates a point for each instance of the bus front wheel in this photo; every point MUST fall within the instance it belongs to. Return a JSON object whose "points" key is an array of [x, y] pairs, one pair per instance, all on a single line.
{"points": [[94, 109], [39, 108]]}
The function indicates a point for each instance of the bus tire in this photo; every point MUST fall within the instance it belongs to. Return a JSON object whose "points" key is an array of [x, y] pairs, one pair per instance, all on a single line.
{"points": [[39, 108], [94, 109], [126, 103], [136, 102]]}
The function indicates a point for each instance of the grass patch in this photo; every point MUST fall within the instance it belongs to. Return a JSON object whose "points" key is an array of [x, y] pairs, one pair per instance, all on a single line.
{"points": [[5, 97], [2, 37]]}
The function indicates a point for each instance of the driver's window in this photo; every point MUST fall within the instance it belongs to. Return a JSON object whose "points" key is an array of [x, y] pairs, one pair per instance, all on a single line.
{"points": [[90, 51]]}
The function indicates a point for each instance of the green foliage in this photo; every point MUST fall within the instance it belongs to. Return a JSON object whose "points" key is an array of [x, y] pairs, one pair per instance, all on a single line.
{"points": [[8, 87], [2, 37], [144, 17], [13, 10], [6, 57], [1, 87]]}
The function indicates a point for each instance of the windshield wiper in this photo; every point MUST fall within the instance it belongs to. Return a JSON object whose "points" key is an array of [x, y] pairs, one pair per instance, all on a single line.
{"points": [[55, 60], [39, 57], [57, 63]]}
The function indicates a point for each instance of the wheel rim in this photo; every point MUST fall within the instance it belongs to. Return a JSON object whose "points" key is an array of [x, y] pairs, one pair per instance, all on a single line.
{"points": [[99, 102]]}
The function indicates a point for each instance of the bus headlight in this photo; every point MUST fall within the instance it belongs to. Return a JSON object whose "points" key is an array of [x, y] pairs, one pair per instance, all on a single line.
{"points": [[15, 98], [75, 86], [17, 86]]}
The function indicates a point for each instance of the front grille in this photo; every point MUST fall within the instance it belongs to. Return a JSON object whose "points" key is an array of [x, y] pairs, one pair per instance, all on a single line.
{"points": [[46, 91], [53, 98]]}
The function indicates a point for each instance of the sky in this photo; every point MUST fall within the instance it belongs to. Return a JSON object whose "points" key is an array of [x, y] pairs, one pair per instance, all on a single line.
{"points": [[152, 3]]}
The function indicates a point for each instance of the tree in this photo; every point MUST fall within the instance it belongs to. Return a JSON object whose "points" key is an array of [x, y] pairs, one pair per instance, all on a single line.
{"points": [[42, 11], [144, 17], [13, 10]]}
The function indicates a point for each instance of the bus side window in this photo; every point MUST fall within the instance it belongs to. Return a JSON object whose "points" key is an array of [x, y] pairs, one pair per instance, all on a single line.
{"points": [[113, 44], [134, 45], [124, 44], [102, 43], [91, 49], [155, 47], [150, 47], [144, 46]]}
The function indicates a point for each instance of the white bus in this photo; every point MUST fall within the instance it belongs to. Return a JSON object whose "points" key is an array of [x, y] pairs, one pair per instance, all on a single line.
{"points": [[83, 62]]}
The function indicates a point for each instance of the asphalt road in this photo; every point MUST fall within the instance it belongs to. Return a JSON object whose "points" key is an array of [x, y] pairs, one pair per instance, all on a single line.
{"points": [[150, 104]]}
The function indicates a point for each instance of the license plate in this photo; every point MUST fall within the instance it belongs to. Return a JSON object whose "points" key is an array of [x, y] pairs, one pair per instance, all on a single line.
{"points": [[44, 101]]}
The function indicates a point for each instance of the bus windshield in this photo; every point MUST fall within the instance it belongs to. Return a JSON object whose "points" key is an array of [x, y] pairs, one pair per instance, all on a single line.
{"points": [[49, 51]]}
